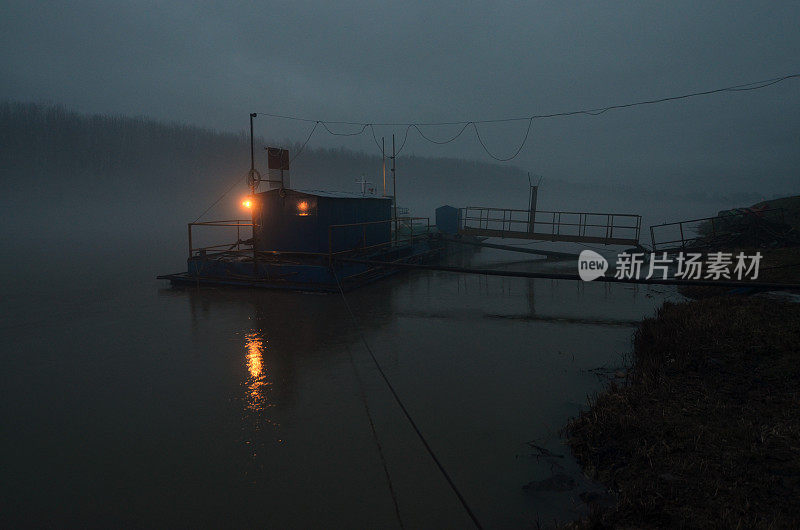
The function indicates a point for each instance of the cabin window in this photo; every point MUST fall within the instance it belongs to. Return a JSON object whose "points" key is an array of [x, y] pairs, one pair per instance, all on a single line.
{"points": [[305, 207]]}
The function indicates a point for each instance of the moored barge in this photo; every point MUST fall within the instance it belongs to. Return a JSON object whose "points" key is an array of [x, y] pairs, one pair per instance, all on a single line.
{"points": [[309, 241]]}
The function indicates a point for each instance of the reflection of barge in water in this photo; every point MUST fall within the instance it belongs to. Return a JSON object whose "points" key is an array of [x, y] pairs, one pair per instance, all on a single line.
{"points": [[300, 239]]}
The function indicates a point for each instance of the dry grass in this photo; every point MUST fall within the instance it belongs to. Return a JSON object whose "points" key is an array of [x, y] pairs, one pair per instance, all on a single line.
{"points": [[706, 430]]}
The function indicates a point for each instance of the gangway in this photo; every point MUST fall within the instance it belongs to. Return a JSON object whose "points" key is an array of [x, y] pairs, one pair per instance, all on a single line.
{"points": [[573, 227], [740, 227]]}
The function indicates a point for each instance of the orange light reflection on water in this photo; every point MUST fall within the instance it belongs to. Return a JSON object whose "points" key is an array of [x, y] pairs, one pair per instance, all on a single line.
{"points": [[257, 382]]}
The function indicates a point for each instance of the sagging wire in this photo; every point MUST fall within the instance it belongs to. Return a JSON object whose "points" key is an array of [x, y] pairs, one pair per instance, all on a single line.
{"points": [[405, 139], [363, 128], [375, 139], [756, 85], [380, 148], [445, 141], [516, 153]]}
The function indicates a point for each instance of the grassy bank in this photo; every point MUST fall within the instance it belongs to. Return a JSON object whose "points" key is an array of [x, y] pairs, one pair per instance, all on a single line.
{"points": [[778, 265], [705, 432]]}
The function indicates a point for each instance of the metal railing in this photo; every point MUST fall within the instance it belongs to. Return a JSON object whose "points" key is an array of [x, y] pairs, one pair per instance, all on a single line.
{"points": [[693, 233], [609, 228], [399, 223], [237, 223], [404, 232]]}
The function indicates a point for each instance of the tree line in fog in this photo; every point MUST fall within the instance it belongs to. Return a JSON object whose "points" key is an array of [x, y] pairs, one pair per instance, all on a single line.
{"points": [[133, 168], [50, 145]]}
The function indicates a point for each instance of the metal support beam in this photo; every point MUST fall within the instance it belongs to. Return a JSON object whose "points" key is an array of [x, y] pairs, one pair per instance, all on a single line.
{"points": [[549, 253], [560, 276], [550, 237]]}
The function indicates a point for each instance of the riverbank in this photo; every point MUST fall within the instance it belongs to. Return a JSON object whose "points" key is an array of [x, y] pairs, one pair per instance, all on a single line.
{"points": [[778, 265], [705, 431]]}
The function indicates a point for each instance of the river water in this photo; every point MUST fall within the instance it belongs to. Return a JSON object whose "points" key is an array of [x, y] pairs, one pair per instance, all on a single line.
{"points": [[130, 403]]}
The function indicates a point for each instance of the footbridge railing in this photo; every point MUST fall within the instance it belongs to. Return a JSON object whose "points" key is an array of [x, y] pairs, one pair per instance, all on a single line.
{"points": [[578, 227]]}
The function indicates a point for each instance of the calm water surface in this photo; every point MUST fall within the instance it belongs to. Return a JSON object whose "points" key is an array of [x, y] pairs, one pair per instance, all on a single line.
{"points": [[126, 402]]}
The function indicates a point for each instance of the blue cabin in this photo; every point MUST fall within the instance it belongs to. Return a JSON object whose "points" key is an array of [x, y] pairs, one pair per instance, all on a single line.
{"points": [[317, 221]]}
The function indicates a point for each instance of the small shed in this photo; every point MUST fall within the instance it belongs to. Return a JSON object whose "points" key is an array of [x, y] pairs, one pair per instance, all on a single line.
{"points": [[299, 221], [448, 219]]}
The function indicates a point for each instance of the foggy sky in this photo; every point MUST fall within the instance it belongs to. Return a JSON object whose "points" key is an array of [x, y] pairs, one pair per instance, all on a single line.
{"points": [[211, 64]]}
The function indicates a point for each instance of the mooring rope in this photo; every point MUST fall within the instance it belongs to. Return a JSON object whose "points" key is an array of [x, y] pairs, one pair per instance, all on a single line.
{"points": [[403, 407], [363, 396]]}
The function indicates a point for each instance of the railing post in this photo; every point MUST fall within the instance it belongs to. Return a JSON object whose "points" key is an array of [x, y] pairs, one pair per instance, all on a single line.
{"points": [[683, 241], [653, 239], [330, 245], [638, 227], [190, 240]]}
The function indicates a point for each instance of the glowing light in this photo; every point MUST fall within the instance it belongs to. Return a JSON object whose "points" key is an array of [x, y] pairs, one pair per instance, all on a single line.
{"points": [[247, 203], [258, 383], [302, 206]]}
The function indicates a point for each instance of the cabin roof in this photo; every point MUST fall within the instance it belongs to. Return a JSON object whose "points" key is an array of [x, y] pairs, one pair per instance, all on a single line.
{"points": [[334, 194]]}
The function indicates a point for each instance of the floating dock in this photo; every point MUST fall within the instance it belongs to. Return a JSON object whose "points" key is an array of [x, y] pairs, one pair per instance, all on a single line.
{"points": [[298, 237]]}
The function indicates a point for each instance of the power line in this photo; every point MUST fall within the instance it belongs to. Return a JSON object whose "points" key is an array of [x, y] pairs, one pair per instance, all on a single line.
{"points": [[756, 85], [302, 147], [405, 139], [416, 126], [519, 149], [363, 128]]}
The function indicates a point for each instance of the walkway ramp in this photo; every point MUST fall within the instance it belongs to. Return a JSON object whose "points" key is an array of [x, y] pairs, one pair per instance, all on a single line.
{"points": [[572, 227]]}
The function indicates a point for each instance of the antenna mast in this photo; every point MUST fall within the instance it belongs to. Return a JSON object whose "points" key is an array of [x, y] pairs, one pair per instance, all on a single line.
{"points": [[394, 190], [253, 177], [383, 159]]}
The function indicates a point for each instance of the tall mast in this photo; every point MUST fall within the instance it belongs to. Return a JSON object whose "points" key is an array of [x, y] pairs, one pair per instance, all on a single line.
{"points": [[251, 179], [383, 159], [394, 190]]}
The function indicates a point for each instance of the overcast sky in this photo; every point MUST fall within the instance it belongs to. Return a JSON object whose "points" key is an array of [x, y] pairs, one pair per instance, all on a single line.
{"points": [[212, 63]]}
